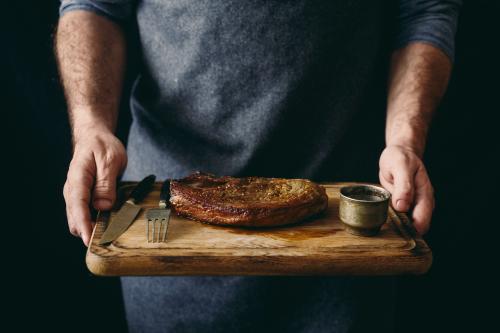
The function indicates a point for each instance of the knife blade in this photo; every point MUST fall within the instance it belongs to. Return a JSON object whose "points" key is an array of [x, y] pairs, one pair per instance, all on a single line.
{"points": [[128, 212]]}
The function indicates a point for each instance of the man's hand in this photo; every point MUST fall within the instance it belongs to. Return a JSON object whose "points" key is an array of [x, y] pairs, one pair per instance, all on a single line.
{"points": [[417, 81], [403, 174], [91, 54], [98, 159]]}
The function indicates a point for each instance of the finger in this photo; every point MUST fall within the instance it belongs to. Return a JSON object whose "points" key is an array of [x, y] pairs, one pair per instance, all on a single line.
{"points": [[104, 194], [82, 222], [424, 202], [386, 183], [77, 197], [403, 193], [79, 220]]}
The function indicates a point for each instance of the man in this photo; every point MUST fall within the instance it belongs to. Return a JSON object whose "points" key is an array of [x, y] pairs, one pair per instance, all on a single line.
{"points": [[269, 88]]}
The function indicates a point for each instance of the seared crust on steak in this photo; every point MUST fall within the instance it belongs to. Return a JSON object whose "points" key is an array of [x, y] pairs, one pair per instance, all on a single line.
{"points": [[248, 202]]}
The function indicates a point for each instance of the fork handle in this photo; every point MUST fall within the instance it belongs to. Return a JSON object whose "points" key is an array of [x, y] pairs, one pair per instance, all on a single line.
{"points": [[165, 193]]}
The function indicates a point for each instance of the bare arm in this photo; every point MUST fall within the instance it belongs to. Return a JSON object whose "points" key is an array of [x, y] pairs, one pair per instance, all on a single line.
{"points": [[417, 82], [90, 50], [418, 79]]}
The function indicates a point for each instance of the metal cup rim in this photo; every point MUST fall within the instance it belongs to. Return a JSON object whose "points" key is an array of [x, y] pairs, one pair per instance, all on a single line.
{"points": [[374, 188]]}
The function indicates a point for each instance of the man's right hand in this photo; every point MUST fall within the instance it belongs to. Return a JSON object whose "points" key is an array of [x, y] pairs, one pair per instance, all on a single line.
{"points": [[98, 159], [91, 55]]}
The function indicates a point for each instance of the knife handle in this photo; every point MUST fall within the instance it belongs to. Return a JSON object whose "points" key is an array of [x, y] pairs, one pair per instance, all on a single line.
{"points": [[142, 189], [165, 193]]}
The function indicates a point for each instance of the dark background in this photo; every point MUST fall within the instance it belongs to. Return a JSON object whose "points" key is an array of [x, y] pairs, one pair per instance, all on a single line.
{"points": [[46, 284]]}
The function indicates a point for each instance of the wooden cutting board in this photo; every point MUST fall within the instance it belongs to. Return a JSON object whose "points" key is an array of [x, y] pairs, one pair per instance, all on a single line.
{"points": [[316, 247]]}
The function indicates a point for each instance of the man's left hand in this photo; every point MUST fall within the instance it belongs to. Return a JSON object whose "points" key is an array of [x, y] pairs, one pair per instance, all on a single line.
{"points": [[403, 173]]}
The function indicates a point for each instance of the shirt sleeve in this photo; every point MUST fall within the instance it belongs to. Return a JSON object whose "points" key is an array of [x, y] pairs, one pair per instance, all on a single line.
{"points": [[430, 21], [116, 10]]}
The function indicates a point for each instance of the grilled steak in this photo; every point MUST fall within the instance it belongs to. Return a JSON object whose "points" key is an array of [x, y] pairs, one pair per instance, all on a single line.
{"points": [[248, 202]]}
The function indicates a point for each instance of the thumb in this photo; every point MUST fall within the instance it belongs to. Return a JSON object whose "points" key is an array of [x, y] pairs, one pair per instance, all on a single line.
{"points": [[402, 197], [104, 193]]}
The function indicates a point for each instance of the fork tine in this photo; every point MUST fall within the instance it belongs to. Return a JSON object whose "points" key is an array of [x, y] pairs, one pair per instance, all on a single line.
{"points": [[164, 229], [159, 230], [154, 225], [162, 226]]}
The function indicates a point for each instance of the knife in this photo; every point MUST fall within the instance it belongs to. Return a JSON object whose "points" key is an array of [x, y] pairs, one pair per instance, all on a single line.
{"points": [[128, 212]]}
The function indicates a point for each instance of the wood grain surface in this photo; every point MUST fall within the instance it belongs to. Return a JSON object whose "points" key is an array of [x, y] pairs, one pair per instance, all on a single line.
{"points": [[319, 246]]}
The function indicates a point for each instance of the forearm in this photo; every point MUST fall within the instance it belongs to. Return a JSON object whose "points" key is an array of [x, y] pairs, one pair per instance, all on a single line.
{"points": [[91, 55], [417, 81]]}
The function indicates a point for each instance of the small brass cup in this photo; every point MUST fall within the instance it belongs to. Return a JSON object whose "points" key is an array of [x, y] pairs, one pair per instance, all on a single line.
{"points": [[363, 208]]}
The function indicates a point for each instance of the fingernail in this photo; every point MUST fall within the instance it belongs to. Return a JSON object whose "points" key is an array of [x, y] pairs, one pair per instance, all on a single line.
{"points": [[402, 204], [102, 203]]}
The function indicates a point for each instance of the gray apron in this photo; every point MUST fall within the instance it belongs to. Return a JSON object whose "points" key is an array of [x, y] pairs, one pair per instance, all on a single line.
{"points": [[267, 88]]}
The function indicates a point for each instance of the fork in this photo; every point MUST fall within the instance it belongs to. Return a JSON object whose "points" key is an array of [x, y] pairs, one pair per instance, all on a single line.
{"points": [[160, 216]]}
